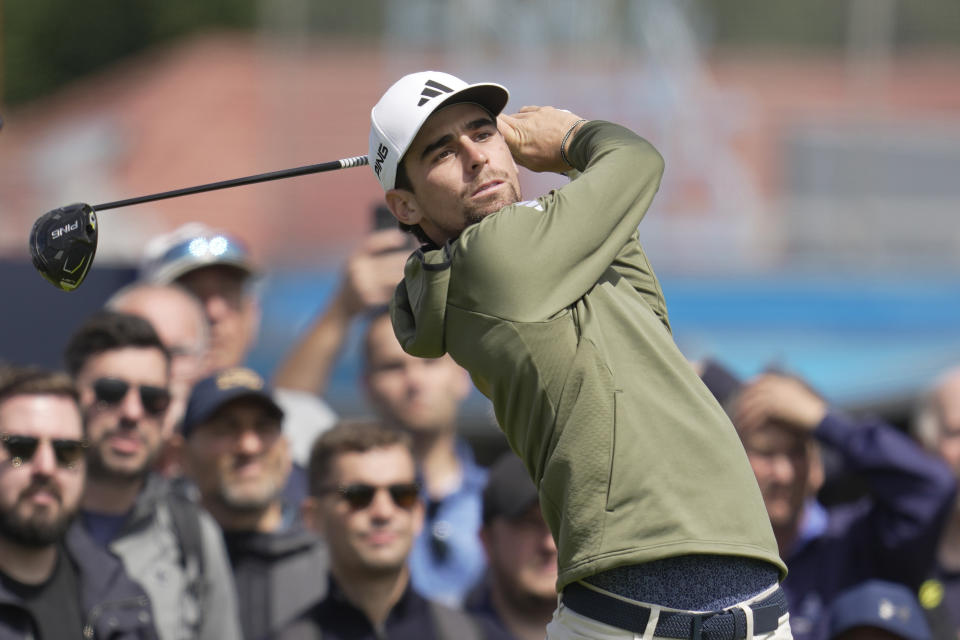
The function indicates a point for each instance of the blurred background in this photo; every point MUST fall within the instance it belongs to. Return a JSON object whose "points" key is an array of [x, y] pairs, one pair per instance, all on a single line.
{"points": [[808, 218]]}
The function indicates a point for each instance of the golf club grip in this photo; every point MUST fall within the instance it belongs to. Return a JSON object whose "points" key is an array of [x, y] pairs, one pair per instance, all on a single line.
{"points": [[344, 163]]}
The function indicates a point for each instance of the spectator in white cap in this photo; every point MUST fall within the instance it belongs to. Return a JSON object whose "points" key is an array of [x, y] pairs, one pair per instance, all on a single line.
{"points": [[219, 270]]}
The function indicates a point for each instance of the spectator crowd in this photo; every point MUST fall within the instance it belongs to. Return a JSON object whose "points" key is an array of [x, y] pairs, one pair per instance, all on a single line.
{"points": [[158, 488]]}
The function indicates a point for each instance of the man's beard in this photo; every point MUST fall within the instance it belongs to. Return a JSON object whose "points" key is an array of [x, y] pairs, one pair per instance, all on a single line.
{"points": [[378, 569], [246, 503], [98, 467], [473, 215], [35, 533]]}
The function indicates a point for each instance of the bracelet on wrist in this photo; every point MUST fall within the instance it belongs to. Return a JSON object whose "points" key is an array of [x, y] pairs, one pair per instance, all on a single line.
{"points": [[563, 143]]}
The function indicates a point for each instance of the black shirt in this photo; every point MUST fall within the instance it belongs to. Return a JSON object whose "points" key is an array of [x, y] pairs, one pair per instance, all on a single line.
{"points": [[479, 604], [409, 619], [54, 604]]}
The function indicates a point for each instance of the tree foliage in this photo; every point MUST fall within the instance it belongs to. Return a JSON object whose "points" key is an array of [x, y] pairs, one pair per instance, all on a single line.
{"points": [[48, 43]]}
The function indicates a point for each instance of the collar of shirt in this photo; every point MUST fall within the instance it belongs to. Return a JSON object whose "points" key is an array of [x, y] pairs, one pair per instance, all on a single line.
{"points": [[342, 619], [813, 524]]}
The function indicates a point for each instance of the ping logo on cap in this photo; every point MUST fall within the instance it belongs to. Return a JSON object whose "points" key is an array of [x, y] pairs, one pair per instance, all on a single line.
{"points": [[382, 152], [239, 377], [431, 90]]}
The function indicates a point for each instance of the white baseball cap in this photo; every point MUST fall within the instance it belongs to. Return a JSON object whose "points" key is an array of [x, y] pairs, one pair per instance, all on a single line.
{"points": [[396, 119]]}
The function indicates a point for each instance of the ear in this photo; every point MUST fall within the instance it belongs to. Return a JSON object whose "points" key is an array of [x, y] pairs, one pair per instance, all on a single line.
{"points": [[253, 314], [486, 539], [465, 383], [287, 455], [419, 515], [173, 459], [817, 474], [404, 206], [310, 514]]}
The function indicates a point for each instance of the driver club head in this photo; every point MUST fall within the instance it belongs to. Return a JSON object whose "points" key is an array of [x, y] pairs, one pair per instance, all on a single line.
{"points": [[63, 243]]}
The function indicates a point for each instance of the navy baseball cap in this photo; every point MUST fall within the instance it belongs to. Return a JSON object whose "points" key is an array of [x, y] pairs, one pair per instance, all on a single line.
{"points": [[509, 491], [211, 393], [721, 382], [881, 605]]}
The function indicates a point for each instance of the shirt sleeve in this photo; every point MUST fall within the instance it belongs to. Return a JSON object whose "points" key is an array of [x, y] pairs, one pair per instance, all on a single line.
{"points": [[532, 259], [911, 493]]}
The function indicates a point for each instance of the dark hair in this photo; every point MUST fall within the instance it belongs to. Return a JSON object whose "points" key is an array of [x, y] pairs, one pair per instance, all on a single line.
{"points": [[350, 436], [108, 331], [402, 181], [34, 381]]}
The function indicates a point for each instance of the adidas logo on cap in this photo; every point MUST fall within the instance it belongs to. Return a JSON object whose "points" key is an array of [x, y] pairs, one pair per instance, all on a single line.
{"points": [[431, 90]]}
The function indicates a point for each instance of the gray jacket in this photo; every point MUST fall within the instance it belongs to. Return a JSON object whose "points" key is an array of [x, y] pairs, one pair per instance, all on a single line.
{"points": [[191, 600]]}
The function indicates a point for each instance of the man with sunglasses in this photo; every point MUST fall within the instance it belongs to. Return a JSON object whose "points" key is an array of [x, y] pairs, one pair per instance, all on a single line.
{"points": [[420, 396], [167, 543], [179, 319], [365, 502], [234, 451], [55, 582]]}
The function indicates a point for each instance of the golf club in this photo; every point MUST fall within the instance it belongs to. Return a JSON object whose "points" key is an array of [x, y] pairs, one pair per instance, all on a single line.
{"points": [[63, 242]]}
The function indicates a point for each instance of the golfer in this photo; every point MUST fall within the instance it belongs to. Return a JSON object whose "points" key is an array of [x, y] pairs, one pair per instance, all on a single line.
{"points": [[553, 308]]}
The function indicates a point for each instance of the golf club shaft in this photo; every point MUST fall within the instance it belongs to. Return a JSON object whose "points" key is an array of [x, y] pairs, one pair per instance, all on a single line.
{"points": [[355, 161]]}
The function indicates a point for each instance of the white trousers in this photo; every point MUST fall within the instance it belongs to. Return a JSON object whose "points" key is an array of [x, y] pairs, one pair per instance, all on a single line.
{"points": [[570, 625]]}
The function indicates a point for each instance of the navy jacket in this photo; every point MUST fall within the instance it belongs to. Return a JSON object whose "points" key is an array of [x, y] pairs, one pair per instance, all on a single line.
{"points": [[891, 534], [114, 606]]}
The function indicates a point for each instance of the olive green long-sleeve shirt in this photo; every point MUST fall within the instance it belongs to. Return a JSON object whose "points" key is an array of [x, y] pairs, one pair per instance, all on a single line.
{"points": [[553, 308]]}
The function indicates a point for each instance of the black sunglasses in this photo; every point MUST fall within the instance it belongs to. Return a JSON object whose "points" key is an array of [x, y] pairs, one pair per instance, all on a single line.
{"points": [[359, 496], [22, 449], [112, 391]]}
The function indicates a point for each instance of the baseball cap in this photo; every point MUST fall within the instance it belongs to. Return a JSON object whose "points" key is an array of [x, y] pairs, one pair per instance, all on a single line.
{"points": [[224, 386], [509, 491], [882, 605], [398, 116], [192, 246]]}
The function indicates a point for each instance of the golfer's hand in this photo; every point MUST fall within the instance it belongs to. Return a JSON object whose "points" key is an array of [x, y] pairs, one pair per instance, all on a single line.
{"points": [[534, 135]]}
